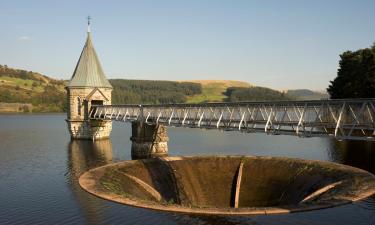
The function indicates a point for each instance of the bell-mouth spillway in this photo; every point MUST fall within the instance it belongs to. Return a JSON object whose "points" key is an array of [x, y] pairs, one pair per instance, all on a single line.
{"points": [[229, 185]]}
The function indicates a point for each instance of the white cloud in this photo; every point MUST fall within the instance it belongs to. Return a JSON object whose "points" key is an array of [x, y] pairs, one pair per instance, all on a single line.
{"points": [[24, 38]]}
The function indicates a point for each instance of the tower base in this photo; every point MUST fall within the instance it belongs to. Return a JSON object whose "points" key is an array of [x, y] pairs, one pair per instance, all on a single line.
{"points": [[89, 129]]}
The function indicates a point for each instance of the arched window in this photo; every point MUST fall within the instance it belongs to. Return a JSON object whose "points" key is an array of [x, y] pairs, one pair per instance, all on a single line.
{"points": [[79, 105]]}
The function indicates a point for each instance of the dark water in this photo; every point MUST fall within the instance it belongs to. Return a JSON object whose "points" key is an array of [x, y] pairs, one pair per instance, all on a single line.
{"points": [[39, 167]]}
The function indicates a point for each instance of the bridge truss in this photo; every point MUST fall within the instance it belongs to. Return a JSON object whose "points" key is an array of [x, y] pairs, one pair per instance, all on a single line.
{"points": [[343, 119]]}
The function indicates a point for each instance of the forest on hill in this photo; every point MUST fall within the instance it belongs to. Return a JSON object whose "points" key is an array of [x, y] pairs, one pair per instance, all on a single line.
{"points": [[240, 94], [254, 93], [21, 86], [306, 94], [152, 92], [49, 95], [25, 91]]}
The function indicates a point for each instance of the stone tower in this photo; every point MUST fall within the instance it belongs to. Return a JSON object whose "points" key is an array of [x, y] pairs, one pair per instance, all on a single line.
{"points": [[88, 86]]}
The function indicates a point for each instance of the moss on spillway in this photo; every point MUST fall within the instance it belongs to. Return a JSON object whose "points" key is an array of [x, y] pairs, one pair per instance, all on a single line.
{"points": [[229, 184]]}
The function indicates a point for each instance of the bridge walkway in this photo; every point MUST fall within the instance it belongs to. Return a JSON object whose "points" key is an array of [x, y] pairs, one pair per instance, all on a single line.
{"points": [[343, 119]]}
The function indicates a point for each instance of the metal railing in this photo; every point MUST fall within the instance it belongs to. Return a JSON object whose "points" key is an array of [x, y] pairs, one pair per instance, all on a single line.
{"points": [[342, 119]]}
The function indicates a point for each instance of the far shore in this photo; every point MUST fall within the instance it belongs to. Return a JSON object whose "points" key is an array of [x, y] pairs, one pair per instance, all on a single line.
{"points": [[30, 113]]}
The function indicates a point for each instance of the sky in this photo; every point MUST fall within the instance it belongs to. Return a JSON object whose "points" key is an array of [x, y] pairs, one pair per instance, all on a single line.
{"points": [[278, 44]]}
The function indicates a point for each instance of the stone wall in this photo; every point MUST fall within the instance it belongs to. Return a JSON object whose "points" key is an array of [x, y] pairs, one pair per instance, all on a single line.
{"points": [[79, 103], [87, 129], [148, 140], [82, 94]]}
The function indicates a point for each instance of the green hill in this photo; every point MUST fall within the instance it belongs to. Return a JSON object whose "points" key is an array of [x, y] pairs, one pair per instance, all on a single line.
{"points": [[26, 91], [31, 91], [21, 86], [305, 94], [152, 92], [213, 90], [241, 94]]}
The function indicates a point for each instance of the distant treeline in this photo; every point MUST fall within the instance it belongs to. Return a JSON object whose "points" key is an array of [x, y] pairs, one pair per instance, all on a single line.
{"points": [[305, 94], [49, 95], [240, 94], [152, 92]]}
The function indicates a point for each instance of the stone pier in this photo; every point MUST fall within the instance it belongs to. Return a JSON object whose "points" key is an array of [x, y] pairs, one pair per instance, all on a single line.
{"points": [[148, 140]]}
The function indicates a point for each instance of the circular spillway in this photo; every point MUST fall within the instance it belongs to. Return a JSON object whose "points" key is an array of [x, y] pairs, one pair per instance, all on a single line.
{"points": [[232, 185]]}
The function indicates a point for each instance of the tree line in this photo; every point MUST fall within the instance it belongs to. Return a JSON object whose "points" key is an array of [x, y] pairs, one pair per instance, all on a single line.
{"points": [[355, 75], [152, 92], [240, 94]]}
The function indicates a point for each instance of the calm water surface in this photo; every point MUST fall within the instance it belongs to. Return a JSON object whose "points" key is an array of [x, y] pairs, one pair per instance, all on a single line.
{"points": [[40, 165]]}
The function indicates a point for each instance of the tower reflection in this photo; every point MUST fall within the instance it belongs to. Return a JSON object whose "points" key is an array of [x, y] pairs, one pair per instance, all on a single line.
{"points": [[82, 156], [87, 154]]}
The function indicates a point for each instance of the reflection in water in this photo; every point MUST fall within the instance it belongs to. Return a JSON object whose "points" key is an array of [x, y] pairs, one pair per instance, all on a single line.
{"points": [[84, 155], [359, 154], [185, 219], [39, 173]]}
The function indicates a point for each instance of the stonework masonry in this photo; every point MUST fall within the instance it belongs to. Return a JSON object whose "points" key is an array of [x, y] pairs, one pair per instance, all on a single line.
{"points": [[148, 140], [79, 103]]}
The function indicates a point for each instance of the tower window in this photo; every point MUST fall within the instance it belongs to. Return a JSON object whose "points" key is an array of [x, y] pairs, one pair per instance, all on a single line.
{"points": [[79, 105], [97, 102]]}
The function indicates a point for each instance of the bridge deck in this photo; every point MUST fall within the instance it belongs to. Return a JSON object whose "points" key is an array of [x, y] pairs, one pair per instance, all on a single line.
{"points": [[342, 119]]}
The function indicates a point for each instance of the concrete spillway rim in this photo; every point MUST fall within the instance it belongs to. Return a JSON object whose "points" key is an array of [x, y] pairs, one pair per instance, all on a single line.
{"points": [[89, 181]]}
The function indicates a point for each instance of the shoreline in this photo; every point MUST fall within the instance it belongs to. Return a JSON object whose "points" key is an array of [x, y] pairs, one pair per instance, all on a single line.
{"points": [[29, 113]]}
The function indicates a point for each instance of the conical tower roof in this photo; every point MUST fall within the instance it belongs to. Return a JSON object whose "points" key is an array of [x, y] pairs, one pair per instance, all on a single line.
{"points": [[89, 72]]}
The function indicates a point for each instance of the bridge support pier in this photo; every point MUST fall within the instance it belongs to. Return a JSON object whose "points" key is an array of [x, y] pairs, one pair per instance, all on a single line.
{"points": [[148, 140]]}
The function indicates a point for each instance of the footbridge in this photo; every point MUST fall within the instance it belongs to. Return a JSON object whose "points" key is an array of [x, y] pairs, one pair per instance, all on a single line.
{"points": [[90, 113], [352, 119]]}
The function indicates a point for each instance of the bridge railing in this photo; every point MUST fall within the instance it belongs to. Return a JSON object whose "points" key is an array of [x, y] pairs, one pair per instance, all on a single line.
{"points": [[343, 119]]}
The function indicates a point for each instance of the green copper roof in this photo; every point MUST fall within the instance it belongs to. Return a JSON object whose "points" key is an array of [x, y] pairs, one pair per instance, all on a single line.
{"points": [[89, 72]]}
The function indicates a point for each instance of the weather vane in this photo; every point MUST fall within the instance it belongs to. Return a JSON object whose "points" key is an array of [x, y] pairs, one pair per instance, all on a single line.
{"points": [[88, 23]]}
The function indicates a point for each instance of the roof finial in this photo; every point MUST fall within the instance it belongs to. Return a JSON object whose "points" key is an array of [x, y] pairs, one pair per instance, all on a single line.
{"points": [[88, 24]]}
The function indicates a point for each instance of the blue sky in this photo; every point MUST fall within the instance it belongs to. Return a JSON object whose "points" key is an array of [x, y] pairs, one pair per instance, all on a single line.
{"points": [[278, 44]]}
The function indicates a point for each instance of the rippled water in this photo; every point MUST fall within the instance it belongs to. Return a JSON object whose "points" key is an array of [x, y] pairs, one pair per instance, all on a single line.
{"points": [[40, 165]]}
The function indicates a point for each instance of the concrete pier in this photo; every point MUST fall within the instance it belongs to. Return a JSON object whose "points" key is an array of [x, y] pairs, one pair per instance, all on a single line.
{"points": [[148, 140]]}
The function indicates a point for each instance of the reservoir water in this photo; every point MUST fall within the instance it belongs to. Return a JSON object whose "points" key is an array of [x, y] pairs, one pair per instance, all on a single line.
{"points": [[40, 165]]}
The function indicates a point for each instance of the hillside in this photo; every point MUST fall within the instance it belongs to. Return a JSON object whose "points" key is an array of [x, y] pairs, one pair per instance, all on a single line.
{"points": [[305, 94], [21, 86], [152, 92], [214, 90], [242, 94], [26, 91], [230, 90]]}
